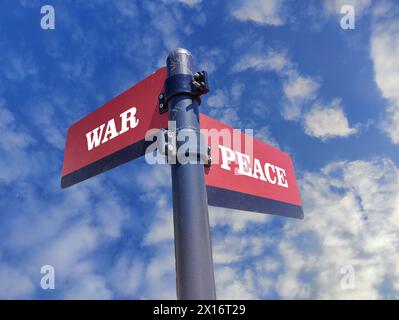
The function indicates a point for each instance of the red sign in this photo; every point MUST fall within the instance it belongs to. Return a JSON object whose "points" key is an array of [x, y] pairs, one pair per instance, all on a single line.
{"points": [[114, 133], [248, 174], [245, 174]]}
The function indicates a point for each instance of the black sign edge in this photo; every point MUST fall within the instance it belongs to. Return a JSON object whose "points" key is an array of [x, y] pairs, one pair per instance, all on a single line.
{"points": [[109, 162], [225, 198]]}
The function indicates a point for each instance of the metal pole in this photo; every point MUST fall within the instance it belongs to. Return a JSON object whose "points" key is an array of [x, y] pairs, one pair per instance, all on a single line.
{"points": [[194, 263]]}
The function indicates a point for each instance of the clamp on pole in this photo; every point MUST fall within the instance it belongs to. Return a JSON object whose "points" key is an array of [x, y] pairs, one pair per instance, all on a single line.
{"points": [[166, 144], [200, 83], [194, 85]]}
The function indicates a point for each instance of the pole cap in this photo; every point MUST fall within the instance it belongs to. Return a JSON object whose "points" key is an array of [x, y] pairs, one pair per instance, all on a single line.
{"points": [[179, 61]]}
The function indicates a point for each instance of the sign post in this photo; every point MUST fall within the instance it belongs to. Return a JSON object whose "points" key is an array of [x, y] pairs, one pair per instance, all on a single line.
{"points": [[194, 263], [240, 172]]}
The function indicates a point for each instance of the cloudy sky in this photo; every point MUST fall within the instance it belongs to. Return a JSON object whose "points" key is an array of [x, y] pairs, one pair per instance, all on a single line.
{"points": [[327, 96]]}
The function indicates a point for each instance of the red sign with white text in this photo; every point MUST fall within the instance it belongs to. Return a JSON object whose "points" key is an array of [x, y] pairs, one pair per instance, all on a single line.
{"points": [[248, 174], [114, 133], [245, 174]]}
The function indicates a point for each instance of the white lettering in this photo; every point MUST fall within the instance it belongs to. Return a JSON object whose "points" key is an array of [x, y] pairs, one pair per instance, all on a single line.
{"points": [[227, 157], [243, 164], [111, 130], [258, 172], [268, 173], [94, 141], [129, 116], [269, 166], [281, 177], [97, 136]]}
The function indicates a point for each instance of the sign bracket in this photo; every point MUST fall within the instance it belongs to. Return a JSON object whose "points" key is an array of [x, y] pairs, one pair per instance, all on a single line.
{"points": [[166, 145], [195, 85]]}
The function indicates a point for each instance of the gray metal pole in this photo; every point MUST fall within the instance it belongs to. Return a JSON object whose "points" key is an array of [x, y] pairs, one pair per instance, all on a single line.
{"points": [[194, 263]]}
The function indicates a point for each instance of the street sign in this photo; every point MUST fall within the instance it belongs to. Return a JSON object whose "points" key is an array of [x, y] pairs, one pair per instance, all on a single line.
{"points": [[114, 133], [244, 173], [248, 174]]}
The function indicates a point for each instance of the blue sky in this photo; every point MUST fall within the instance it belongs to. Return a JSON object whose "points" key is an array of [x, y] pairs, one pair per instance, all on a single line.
{"points": [[327, 96]]}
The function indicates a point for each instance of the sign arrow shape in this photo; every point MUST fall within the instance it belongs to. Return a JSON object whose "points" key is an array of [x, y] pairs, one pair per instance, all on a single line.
{"points": [[114, 133]]}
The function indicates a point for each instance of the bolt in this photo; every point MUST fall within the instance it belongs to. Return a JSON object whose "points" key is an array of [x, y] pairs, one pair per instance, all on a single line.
{"points": [[170, 134], [196, 84]]}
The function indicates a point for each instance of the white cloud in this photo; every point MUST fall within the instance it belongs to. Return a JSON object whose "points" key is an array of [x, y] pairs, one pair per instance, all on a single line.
{"points": [[209, 59], [384, 52], [190, 3], [63, 232], [162, 227], [334, 6], [126, 276], [170, 23], [263, 60], [155, 178], [237, 90], [126, 8], [227, 115], [89, 286], [14, 284], [79, 68], [111, 217], [236, 220], [232, 248], [300, 87], [231, 286], [19, 67], [351, 217], [46, 124], [15, 143], [263, 133], [74, 244], [160, 276], [298, 91], [327, 122], [224, 104], [266, 12], [218, 100]]}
